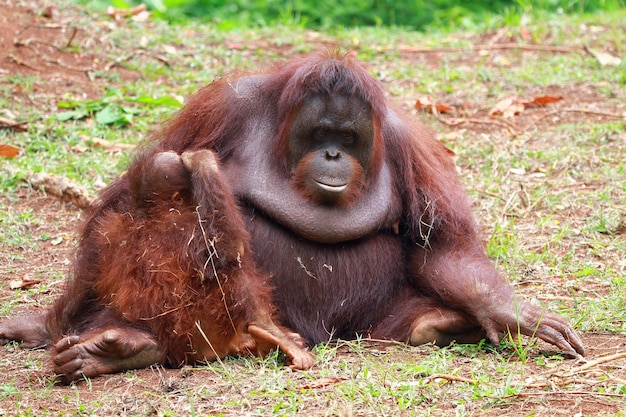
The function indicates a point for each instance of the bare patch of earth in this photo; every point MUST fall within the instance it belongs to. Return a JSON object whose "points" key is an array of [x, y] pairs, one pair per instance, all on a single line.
{"points": [[32, 44]]}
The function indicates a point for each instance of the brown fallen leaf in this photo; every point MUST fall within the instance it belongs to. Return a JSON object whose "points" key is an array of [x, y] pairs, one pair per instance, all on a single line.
{"points": [[508, 107], [604, 58], [426, 103], [23, 284], [12, 124], [110, 146], [137, 13], [61, 187], [542, 101], [8, 151], [513, 106]]}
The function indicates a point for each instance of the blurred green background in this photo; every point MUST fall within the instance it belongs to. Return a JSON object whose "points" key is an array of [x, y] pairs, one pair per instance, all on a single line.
{"points": [[412, 14]]}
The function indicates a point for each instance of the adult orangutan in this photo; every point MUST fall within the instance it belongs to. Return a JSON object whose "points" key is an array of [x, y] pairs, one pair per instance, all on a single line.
{"points": [[351, 208]]}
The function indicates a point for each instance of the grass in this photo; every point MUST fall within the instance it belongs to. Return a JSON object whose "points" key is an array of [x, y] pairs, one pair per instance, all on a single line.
{"points": [[551, 197]]}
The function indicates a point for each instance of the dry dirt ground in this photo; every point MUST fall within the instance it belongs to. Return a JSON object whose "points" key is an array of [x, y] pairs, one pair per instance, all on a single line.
{"points": [[61, 73]]}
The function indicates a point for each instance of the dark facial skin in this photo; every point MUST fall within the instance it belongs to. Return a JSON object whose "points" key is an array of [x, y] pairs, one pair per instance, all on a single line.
{"points": [[330, 146]]}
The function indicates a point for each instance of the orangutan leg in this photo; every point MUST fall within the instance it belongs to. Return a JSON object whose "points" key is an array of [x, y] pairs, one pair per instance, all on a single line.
{"points": [[419, 320], [443, 326]]}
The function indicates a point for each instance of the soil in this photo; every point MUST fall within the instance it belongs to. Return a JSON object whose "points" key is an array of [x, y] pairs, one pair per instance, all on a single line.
{"points": [[29, 46]]}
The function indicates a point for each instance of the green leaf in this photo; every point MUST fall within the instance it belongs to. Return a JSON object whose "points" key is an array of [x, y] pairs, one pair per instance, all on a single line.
{"points": [[158, 101], [72, 115], [67, 104], [112, 115], [130, 110]]}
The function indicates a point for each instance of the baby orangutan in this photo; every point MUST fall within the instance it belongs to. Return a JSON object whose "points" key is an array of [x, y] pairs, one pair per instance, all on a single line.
{"points": [[176, 305]]}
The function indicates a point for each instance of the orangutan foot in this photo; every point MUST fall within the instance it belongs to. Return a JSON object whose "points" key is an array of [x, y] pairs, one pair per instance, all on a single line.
{"points": [[112, 350], [290, 343]]}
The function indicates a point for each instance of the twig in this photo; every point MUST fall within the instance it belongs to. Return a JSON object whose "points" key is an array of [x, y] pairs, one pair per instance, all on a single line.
{"points": [[554, 298], [498, 122], [212, 251], [429, 379], [495, 46], [587, 111], [18, 42], [601, 360], [543, 393], [69, 41], [29, 41], [66, 66], [514, 129], [172, 310], [448, 377], [54, 61], [490, 194], [303, 266], [121, 59], [20, 61]]}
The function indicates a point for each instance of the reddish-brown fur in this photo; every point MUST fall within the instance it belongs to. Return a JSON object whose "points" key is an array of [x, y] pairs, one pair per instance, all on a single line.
{"points": [[360, 284], [169, 256], [172, 259], [418, 273]]}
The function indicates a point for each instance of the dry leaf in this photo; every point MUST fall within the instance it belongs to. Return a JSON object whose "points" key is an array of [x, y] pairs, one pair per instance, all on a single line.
{"points": [[444, 108], [141, 17], [427, 103], [138, 13], [23, 284], [513, 106], [604, 58], [61, 187], [111, 146], [79, 148], [170, 49], [8, 151], [508, 107], [424, 102], [12, 124], [501, 106], [543, 101]]}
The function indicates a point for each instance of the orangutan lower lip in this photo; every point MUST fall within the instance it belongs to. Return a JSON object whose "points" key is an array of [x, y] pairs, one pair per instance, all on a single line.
{"points": [[332, 188]]}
